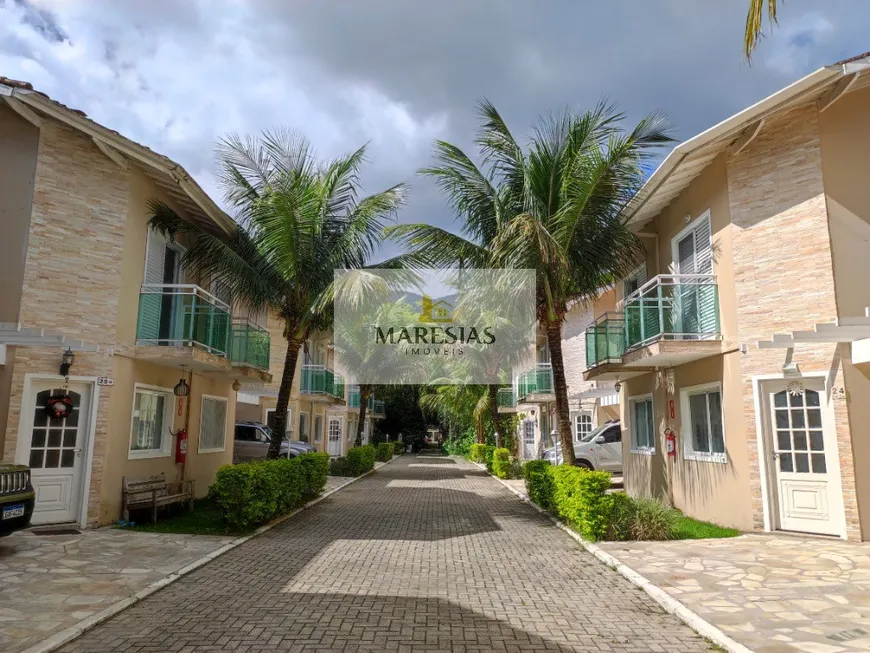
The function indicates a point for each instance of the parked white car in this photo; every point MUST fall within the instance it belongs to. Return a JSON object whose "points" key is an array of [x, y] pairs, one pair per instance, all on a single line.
{"points": [[601, 449]]}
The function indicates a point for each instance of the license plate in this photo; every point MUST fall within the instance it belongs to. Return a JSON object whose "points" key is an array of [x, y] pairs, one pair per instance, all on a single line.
{"points": [[13, 511]]}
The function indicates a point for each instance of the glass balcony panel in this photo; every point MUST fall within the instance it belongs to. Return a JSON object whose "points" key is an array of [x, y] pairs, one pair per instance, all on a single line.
{"points": [[605, 340], [250, 345], [506, 398], [183, 316], [673, 307]]}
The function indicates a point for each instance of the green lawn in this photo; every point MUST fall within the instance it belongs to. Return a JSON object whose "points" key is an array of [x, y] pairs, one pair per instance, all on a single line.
{"points": [[204, 520], [692, 529]]}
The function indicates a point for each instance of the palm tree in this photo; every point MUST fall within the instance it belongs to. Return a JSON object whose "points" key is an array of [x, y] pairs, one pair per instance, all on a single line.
{"points": [[556, 207], [754, 19], [299, 220]]}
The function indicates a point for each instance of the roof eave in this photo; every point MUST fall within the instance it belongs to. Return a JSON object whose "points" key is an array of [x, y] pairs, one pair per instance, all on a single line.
{"points": [[127, 147]]}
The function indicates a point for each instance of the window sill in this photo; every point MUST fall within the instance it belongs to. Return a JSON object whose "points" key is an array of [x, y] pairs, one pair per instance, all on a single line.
{"points": [[701, 457], [144, 454], [221, 450], [643, 452]]}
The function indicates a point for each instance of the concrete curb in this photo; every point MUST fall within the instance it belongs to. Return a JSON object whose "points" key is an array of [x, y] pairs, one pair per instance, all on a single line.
{"points": [[665, 600], [67, 635]]}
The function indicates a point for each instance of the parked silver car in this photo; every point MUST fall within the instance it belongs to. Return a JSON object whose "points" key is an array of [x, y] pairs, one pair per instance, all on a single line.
{"points": [[253, 439], [601, 449]]}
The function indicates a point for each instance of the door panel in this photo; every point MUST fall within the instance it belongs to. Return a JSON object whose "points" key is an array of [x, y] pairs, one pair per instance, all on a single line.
{"points": [[804, 455], [334, 435], [529, 449], [54, 448]]}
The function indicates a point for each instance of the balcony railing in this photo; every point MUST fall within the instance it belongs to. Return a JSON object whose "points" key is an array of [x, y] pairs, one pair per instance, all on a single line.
{"points": [[373, 406], [250, 344], [377, 406], [605, 340], [506, 398], [320, 380], [673, 307], [538, 380], [183, 315], [338, 385], [353, 397]]}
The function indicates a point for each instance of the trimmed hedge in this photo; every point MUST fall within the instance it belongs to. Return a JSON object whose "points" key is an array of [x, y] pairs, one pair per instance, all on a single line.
{"points": [[501, 463], [580, 499], [476, 453], [361, 459], [251, 494], [340, 467], [539, 483], [488, 453], [384, 452], [398, 448]]}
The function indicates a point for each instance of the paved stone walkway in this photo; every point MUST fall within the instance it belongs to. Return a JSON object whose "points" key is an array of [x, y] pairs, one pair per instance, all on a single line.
{"points": [[51, 582], [427, 554], [772, 593]]}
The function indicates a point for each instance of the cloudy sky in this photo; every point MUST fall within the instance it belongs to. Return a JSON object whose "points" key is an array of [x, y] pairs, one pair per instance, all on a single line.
{"points": [[176, 76]]}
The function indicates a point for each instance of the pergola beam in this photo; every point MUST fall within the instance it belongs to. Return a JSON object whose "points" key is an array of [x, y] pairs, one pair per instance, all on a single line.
{"points": [[746, 137], [111, 152]]}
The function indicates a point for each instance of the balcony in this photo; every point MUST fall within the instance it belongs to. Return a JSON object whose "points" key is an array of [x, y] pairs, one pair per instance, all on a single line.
{"points": [[536, 385], [183, 324], [377, 407], [506, 401], [319, 383], [353, 397], [670, 320], [250, 345], [605, 340], [374, 407]]}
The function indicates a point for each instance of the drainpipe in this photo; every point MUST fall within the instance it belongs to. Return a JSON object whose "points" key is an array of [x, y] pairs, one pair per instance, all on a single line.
{"points": [[187, 422]]}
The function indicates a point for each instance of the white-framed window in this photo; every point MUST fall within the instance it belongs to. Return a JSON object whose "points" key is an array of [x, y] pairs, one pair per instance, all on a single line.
{"points": [[150, 435], [212, 424], [642, 424], [634, 280], [582, 423], [692, 248], [703, 431], [270, 421]]}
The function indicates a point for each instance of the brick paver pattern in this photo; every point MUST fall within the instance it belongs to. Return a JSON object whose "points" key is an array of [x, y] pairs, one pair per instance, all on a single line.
{"points": [[426, 554]]}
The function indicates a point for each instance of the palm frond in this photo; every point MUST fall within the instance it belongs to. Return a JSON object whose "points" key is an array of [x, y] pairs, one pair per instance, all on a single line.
{"points": [[754, 24]]}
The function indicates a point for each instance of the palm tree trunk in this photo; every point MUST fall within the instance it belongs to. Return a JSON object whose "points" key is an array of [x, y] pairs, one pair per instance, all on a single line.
{"points": [[493, 413], [293, 347], [554, 340], [364, 392]]}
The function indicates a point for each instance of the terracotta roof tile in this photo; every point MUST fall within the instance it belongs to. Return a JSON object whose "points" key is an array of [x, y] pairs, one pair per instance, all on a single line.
{"points": [[855, 58]]}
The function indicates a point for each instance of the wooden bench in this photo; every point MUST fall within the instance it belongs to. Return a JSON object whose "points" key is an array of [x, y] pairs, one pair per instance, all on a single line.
{"points": [[153, 492]]}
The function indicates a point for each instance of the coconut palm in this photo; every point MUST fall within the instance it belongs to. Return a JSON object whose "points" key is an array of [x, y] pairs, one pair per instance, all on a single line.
{"points": [[555, 207], [299, 220], [754, 19]]}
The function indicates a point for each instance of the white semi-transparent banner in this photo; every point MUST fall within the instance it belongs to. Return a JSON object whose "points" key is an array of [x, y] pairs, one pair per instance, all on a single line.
{"points": [[433, 326]]}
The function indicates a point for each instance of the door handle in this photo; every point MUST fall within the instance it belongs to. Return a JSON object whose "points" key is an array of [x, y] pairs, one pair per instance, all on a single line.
{"points": [[775, 455], [78, 452]]}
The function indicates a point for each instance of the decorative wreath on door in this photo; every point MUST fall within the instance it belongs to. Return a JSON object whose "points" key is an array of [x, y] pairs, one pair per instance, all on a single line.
{"points": [[59, 406]]}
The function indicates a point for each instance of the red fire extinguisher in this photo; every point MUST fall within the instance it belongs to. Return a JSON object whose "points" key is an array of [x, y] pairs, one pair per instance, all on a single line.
{"points": [[670, 442], [181, 446]]}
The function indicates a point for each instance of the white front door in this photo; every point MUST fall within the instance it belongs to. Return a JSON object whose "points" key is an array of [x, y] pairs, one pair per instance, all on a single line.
{"points": [[529, 449], [334, 434], [55, 450], [806, 475]]}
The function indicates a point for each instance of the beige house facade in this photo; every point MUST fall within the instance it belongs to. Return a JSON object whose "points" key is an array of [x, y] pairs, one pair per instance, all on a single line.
{"points": [[742, 334], [83, 274]]}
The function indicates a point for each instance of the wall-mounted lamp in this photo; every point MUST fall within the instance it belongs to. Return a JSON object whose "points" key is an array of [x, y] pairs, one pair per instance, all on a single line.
{"points": [[236, 386], [66, 362], [617, 386], [182, 388], [791, 369]]}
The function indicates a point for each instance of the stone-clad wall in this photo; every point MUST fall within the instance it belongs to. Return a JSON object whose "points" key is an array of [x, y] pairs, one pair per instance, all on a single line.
{"points": [[72, 278], [783, 271]]}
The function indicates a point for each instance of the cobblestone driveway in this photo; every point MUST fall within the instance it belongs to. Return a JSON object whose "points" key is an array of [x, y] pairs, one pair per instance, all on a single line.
{"points": [[427, 554]]}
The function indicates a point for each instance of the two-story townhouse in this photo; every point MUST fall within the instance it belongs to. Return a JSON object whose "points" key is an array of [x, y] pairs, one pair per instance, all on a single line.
{"points": [[531, 396], [323, 408], [741, 334], [86, 285]]}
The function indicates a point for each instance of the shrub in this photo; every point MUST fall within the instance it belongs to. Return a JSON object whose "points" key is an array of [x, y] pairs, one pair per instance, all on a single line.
{"points": [[517, 470], [476, 453], [384, 452], [459, 445], [315, 468], [488, 453], [539, 483], [579, 499], [621, 510], [340, 467], [501, 463], [653, 520], [251, 494], [398, 448], [361, 459]]}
